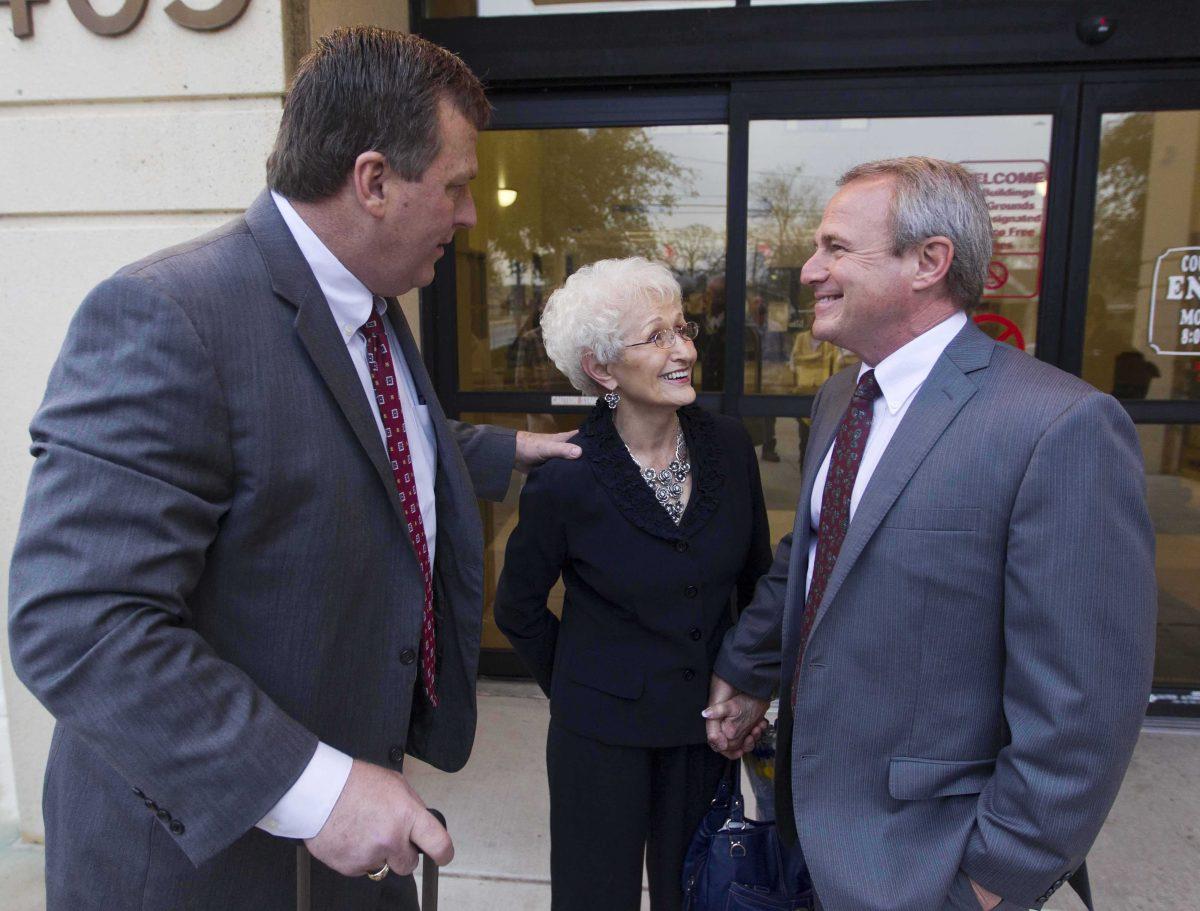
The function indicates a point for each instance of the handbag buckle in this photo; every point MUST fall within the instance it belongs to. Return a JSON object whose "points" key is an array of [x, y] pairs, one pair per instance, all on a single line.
{"points": [[737, 849]]}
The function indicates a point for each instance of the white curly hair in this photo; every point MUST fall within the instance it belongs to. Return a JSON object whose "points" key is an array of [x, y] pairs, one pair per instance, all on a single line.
{"points": [[587, 313]]}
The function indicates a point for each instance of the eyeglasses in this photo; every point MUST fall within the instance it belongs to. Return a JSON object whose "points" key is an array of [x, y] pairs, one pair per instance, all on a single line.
{"points": [[665, 338]]}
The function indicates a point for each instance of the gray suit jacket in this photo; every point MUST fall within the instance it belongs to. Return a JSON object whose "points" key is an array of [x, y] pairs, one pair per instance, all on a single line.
{"points": [[979, 666], [212, 572]]}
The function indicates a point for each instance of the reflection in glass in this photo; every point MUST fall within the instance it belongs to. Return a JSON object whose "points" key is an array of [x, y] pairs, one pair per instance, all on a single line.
{"points": [[550, 201], [1172, 454], [499, 519], [780, 474], [794, 166], [1142, 336]]}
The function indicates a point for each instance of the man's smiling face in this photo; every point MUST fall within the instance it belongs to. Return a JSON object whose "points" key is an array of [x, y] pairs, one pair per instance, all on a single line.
{"points": [[861, 287]]}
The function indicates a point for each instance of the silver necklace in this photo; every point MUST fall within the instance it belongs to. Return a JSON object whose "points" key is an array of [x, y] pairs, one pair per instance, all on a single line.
{"points": [[667, 484]]}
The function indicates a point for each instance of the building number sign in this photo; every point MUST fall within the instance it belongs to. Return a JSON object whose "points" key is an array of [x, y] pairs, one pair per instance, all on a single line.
{"points": [[129, 15]]}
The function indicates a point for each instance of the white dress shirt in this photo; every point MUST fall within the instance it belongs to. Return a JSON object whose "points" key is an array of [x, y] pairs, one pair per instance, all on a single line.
{"points": [[303, 810], [900, 376]]}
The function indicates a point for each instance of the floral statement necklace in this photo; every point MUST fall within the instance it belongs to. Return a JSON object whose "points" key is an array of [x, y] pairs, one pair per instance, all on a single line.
{"points": [[667, 484]]}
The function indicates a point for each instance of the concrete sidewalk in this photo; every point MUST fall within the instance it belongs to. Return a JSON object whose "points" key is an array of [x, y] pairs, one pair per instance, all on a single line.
{"points": [[1147, 857]]}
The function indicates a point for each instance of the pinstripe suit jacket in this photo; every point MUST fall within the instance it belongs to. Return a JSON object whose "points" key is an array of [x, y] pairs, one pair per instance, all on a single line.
{"points": [[980, 662], [212, 572]]}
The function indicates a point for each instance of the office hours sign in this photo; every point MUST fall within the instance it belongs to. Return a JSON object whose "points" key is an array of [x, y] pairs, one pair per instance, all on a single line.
{"points": [[130, 13], [1175, 303]]}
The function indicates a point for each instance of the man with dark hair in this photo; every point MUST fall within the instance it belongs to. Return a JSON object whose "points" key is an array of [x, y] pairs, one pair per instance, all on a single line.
{"points": [[961, 624], [249, 573]]}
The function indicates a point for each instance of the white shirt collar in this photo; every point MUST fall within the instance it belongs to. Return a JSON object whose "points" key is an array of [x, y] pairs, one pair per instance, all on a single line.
{"points": [[902, 372], [349, 299]]}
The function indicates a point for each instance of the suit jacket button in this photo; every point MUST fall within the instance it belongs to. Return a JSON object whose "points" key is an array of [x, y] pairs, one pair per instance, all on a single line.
{"points": [[140, 793], [396, 755], [408, 656], [163, 815], [689, 674], [681, 547], [691, 591], [150, 804], [695, 633], [177, 827]]}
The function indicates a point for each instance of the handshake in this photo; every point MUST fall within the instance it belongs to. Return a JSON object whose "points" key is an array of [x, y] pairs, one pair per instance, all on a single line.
{"points": [[733, 720]]}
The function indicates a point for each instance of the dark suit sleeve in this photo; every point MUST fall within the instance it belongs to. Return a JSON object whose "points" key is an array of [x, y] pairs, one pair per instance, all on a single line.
{"points": [[1079, 626], [533, 562], [490, 453], [751, 653], [133, 474]]}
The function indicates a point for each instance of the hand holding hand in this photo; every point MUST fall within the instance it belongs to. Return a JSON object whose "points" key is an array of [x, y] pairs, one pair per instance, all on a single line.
{"points": [[734, 719], [535, 448], [379, 818]]}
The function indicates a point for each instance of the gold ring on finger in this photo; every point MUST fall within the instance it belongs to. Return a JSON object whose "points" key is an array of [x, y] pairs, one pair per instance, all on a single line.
{"points": [[380, 873]]}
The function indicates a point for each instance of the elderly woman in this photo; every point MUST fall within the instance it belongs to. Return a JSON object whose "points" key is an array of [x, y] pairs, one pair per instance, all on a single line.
{"points": [[656, 532]]}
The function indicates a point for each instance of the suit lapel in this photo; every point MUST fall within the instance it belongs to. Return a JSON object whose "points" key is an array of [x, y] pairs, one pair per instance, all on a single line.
{"points": [[293, 280], [943, 394]]}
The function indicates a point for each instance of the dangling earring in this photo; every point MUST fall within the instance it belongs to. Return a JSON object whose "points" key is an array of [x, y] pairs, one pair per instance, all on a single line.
{"points": [[612, 399]]}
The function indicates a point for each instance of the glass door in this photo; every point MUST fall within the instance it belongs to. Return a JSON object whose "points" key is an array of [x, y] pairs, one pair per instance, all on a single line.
{"points": [[1135, 328], [1096, 207]]}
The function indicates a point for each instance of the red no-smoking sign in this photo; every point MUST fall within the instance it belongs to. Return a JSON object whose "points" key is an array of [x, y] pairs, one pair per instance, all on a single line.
{"points": [[997, 276], [1001, 328]]}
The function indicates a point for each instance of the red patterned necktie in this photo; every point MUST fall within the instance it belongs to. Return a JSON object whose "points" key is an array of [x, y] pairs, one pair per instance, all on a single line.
{"points": [[848, 449], [387, 398]]}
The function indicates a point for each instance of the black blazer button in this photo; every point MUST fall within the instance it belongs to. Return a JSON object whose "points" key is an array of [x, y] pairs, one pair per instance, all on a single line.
{"points": [[689, 674], [691, 591], [396, 755], [681, 547], [408, 656], [695, 633], [140, 793], [150, 804], [177, 827], [163, 815]]}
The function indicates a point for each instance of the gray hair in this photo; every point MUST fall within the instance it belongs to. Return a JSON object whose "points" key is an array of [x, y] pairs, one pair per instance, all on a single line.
{"points": [[932, 198], [585, 314]]}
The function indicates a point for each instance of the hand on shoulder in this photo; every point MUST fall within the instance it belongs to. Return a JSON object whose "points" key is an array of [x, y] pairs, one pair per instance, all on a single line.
{"points": [[535, 448]]}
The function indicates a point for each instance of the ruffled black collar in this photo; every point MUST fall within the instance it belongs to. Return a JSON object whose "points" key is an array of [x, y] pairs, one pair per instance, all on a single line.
{"points": [[618, 473]]}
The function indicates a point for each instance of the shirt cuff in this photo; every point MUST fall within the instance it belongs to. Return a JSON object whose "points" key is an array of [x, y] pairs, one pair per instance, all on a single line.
{"points": [[302, 811]]}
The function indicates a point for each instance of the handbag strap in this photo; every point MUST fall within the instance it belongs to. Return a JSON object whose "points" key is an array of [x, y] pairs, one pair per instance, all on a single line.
{"points": [[737, 804]]}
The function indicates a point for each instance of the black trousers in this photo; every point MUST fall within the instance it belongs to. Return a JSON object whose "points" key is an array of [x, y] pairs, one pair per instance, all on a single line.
{"points": [[611, 807]]}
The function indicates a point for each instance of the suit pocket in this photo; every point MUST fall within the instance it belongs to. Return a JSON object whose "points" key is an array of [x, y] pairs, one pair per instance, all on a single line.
{"points": [[924, 779], [605, 672], [933, 518]]}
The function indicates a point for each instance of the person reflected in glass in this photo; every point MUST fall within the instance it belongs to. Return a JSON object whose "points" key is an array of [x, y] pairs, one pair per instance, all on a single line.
{"points": [[656, 533], [712, 356]]}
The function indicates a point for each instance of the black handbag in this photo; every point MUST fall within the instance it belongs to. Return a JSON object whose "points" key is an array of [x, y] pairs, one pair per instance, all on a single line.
{"points": [[739, 864]]}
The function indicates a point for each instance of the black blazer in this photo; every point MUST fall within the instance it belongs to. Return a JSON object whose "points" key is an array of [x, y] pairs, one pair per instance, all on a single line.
{"points": [[647, 602]]}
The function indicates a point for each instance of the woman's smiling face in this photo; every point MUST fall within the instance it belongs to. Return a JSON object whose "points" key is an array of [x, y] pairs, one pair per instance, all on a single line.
{"points": [[648, 376]]}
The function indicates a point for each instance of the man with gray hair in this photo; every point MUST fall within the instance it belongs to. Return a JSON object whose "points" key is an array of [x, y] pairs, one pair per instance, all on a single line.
{"points": [[961, 624], [249, 574]]}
